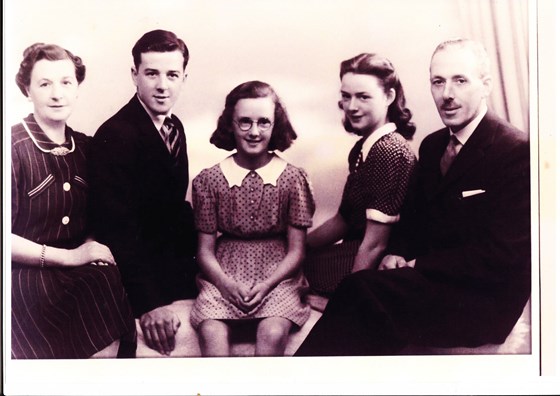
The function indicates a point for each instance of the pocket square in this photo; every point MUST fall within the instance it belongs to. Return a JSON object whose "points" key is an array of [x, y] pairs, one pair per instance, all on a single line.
{"points": [[470, 193]]}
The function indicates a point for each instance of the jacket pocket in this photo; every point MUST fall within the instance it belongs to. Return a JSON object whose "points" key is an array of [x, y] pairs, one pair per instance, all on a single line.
{"points": [[41, 187], [81, 181]]}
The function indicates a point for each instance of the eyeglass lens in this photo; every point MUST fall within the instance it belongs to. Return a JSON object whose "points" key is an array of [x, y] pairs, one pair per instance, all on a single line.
{"points": [[246, 123]]}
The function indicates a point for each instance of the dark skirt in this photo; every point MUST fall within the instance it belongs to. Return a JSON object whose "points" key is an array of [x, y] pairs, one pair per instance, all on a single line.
{"points": [[68, 313]]}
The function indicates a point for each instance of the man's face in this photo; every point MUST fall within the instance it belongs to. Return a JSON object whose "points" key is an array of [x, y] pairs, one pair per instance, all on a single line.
{"points": [[458, 88], [159, 80]]}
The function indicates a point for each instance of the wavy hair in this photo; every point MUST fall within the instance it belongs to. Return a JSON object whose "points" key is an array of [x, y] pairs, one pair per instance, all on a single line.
{"points": [[380, 67], [50, 52], [159, 41], [283, 133]]}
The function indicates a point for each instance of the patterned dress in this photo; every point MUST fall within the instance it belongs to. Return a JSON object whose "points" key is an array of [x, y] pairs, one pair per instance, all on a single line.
{"points": [[375, 190], [252, 210], [59, 312]]}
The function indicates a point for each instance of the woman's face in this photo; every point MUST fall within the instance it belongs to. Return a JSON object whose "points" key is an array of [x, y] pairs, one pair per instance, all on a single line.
{"points": [[253, 121], [53, 89], [364, 102]]}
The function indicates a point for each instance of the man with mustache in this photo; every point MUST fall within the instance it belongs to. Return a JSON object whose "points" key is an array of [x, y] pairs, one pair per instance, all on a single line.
{"points": [[139, 179], [460, 271]]}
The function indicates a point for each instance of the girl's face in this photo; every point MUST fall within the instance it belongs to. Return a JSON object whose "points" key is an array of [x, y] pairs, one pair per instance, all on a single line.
{"points": [[53, 89], [365, 102], [253, 121]]}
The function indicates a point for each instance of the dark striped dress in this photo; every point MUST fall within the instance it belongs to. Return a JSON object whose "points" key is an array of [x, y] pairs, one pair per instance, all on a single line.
{"points": [[59, 313]]}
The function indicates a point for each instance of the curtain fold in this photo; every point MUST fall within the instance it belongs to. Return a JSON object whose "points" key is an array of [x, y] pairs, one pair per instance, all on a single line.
{"points": [[502, 26]]}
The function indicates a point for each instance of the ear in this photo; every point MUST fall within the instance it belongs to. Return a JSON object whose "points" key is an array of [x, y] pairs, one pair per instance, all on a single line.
{"points": [[134, 74], [391, 95], [487, 83], [28, 95]]}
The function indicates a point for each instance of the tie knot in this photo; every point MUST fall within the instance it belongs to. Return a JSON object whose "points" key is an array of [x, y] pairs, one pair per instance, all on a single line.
{"points": [[168, 124]]}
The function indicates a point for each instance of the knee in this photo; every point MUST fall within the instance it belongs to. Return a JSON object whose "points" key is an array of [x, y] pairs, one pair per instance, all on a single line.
{"points": [[273, 332], [210, 330]]}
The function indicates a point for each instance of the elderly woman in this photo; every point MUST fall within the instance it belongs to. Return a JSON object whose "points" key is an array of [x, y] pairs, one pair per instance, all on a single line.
{"points": [[67, 297]]}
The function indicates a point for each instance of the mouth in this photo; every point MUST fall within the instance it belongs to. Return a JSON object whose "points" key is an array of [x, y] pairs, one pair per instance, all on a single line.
{"points": [[355, 118], [450, 110], [161, 98]]}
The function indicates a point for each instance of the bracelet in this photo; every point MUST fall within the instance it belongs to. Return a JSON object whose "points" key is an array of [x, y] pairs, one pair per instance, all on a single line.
{"points": [[43, 248]]}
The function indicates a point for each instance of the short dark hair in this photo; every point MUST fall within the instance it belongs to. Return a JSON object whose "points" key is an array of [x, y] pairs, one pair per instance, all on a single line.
{"points": [[283, 133], [159, 41], [380, 67], [50, 52]]}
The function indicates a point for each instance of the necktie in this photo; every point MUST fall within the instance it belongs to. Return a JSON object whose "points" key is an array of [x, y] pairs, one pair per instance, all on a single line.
{"points": [[170, 136], [450, 153]]}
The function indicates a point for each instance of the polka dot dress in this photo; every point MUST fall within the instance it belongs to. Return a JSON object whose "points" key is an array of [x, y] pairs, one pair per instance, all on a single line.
{"points": [[253, 220], [380, 183]]}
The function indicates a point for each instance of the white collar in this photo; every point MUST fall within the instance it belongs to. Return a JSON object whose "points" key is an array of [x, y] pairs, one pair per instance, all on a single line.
{"points": [[157, 120], [464, 134], [375, 136], [269, 173]]}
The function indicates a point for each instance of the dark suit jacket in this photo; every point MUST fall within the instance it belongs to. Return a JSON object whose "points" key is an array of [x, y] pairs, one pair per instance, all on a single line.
{"points": [[139, 208], [477, 247]]}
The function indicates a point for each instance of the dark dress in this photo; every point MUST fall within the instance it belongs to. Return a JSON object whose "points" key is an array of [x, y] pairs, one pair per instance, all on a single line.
{"points": [[59, 312], [374, 190]]}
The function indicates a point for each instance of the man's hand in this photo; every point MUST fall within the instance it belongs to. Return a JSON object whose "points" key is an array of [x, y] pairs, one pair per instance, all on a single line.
{"points": [[392, 262], [159, 327]]}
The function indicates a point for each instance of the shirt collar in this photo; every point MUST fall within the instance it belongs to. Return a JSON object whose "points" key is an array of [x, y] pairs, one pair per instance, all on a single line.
{"points": [[269, 173], [156, 119], [40, 138], [375, 136], [464, 134]]}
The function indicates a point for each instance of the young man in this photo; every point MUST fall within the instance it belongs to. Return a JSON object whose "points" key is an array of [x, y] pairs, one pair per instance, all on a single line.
{"points": [[462, 274], [139, 177]]}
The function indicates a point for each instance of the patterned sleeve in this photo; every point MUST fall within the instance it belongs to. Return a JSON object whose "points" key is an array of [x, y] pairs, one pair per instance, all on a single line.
{"points": [[302, 203], [204, 203], [389, 176]]}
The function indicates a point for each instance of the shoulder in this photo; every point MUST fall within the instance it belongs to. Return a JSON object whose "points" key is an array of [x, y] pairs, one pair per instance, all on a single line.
{"points": [[206, 175], [393, 147], [124, 122], [19, 134], [294, 173]]}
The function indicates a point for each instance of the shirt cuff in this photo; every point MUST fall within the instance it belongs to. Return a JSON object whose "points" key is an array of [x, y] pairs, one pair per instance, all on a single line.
{"points": [[380, 217]]}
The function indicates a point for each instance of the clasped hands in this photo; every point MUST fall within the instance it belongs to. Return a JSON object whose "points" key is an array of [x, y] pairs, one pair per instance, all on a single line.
{"points": [[243, 297], [392, 262]]}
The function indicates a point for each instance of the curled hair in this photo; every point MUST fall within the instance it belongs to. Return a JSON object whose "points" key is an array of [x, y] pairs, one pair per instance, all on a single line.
{"points": [[477, 49], [283, 133], [380, 67], [50, 52], [159, 41]]}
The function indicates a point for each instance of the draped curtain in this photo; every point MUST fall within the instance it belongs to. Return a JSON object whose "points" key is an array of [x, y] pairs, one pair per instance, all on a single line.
{"points": [[503, 25]]}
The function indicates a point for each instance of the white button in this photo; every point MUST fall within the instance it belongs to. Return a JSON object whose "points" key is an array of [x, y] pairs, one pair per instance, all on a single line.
{"points": [[252, 217], [252, 189], [252, 174], [65, 220], [66, 186], [252, 201]]}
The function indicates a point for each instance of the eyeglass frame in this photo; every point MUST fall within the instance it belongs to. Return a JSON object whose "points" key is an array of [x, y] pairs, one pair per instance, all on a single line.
{"points": [[259, 127]]}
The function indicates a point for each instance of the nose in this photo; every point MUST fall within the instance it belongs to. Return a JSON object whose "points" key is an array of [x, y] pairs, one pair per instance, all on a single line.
{"points": [[448, 91], [162, 82], [352, 104], [56, 91], [254, 131]]}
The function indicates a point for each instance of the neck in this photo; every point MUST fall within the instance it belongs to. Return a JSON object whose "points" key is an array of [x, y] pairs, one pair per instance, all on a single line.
{"points": [[55, 130], [252, 162]]}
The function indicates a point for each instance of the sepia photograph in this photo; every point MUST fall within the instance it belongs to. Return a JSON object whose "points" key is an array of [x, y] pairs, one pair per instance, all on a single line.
{"points": [[278, 197]]}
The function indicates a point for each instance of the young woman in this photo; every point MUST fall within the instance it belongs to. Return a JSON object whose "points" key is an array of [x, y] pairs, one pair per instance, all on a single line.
{"points": [[261, 207], [67, 297], [381, 165]]}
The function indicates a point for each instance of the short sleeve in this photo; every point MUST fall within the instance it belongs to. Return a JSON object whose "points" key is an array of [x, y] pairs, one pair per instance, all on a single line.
{"points": [[204, 203], [302, 204], [388, 170]]}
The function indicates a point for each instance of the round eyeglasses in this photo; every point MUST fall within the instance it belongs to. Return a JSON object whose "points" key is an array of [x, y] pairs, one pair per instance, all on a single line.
{"points": [[246, 124]]}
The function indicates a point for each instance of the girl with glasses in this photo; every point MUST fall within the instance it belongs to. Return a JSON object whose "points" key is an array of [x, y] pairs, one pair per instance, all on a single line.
{"points": [[252, 211]]}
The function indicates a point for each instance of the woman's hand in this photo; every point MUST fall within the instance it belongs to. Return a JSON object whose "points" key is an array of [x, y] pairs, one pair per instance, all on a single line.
{"points": [[234, 292], [256, 296], [90, 252]]}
